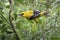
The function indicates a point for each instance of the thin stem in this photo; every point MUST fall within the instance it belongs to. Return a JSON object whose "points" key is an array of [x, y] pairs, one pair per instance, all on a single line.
{"points": [[10, 21]]}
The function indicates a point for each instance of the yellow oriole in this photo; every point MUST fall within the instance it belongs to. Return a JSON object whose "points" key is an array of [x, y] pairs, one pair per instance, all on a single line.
{"points": [[33, 15]]}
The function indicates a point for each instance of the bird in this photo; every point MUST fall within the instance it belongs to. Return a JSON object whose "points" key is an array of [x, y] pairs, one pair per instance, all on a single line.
{"points": [[33, 14]]}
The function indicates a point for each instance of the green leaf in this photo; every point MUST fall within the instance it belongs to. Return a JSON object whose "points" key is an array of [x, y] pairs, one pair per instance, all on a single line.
{"points": [[19, 1], [42, 20], [55, 38]]}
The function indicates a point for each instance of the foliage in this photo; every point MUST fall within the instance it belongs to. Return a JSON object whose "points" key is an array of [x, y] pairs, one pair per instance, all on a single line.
{"points": [[45, 29]]}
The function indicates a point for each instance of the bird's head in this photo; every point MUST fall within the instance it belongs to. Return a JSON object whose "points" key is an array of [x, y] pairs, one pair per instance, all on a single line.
{"points": [[44, 13]]}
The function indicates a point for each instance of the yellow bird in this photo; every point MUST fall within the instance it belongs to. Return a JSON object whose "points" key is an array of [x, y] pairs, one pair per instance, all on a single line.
{"points": [[34, 14]]}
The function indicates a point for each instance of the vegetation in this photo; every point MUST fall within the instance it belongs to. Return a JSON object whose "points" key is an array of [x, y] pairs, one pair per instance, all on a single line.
{"points": [[14, 27]]}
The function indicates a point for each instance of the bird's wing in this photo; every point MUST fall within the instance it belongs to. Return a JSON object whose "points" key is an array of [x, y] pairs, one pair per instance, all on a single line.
{"points": [[35, 14]]}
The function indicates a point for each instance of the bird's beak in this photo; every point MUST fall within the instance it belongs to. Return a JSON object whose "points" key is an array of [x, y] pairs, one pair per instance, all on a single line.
{"points": [[46, 14]]}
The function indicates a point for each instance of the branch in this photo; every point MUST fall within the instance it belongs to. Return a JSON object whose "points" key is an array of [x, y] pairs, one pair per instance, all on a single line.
{"points": [[10, 21]]}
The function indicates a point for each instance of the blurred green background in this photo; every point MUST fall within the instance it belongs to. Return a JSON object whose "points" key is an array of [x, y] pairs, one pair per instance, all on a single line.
{"points": [[45, 29]]}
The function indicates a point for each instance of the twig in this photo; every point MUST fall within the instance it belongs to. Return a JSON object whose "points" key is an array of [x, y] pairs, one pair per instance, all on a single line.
{"points": [[11, 24]]}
